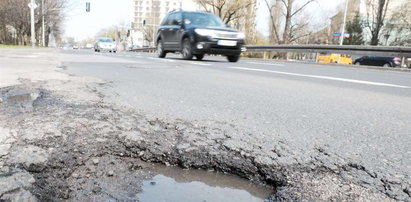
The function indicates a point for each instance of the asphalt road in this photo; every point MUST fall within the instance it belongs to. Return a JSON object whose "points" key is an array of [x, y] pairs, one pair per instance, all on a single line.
{"points": [[359, 115]]}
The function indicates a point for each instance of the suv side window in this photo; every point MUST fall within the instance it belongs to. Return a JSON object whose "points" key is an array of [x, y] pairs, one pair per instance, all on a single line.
{"points": [[174, 19]]}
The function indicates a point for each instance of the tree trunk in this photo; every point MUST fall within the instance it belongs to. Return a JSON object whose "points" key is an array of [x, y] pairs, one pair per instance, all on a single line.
{"points": [[375, 34], [287, 26]]}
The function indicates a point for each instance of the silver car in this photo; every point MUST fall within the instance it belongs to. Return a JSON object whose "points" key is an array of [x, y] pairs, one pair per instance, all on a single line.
{"points": [[105, 44]]}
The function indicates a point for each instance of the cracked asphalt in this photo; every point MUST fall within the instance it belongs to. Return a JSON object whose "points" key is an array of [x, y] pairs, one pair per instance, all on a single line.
{"points": [[312, 132]]}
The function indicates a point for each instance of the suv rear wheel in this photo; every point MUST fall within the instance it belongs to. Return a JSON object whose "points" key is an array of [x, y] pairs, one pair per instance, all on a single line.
{"points": [[160, 49], [233, 58], [186, 51], [387, 65], [199, 56]]}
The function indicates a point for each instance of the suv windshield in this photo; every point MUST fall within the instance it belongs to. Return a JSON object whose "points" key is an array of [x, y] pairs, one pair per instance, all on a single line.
{"points": [[203, 19], [106, 40]]}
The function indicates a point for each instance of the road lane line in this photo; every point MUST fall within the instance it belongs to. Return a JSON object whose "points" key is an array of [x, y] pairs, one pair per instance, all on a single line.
{"points": [[262, 63], [323, 77], [198, 63]]}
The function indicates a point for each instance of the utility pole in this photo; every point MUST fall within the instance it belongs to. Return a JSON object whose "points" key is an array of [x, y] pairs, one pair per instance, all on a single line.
{"points": [[343, 24], [32, 6], [343, 28]]}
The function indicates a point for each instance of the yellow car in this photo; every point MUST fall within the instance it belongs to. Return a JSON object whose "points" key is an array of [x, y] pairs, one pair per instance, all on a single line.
{"points": [[334, 58]]}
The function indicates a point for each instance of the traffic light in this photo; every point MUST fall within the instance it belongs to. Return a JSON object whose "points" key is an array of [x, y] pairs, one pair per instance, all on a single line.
{"points": [[87, 6], [144, 23]]}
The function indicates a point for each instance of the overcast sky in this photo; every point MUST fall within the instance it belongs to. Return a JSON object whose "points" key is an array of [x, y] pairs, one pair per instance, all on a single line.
{"points": [[104, 13]]}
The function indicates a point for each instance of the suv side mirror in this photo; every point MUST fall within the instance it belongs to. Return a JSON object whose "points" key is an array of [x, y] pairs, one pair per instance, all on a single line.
{"points": [[175, 22]]}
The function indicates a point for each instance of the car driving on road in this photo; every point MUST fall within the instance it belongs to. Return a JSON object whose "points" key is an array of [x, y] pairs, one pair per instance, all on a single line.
{"points": [[197, 34], [105, 44], [379, 61]]}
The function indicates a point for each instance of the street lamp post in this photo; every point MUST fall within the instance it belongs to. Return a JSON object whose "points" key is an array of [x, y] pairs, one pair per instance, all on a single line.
{"points": [[343, 24], [343, 28], [32, 6]]}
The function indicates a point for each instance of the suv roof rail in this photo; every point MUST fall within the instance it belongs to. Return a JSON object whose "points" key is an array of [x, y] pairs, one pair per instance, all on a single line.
{"points": [[176, 10]]}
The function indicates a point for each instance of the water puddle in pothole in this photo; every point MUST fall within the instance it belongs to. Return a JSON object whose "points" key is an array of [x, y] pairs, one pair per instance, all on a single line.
{"points": [[174, 184], [21, 98]]}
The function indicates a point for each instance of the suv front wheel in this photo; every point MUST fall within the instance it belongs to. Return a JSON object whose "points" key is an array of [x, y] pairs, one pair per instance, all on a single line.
{"points": [[233, 58], [186, 51], [160, 49]]}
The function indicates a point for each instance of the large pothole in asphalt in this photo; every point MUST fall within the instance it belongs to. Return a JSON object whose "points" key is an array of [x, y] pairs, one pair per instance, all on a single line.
{"points": [[19, 97], [78, 153], [119, 178]]}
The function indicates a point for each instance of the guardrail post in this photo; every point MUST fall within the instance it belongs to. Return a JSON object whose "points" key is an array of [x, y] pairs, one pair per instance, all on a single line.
{"points": [[403, 62]]}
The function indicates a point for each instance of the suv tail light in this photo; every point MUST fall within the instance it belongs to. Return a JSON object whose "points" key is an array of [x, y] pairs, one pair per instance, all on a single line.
{"points": [[397, 59]]}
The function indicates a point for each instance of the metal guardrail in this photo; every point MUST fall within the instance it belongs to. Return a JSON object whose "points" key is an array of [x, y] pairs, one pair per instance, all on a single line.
{"points": [[147, 49], [396, 51]]}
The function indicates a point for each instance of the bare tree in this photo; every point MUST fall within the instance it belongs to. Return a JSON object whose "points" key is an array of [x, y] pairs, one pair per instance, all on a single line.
{"points": [[227, 10], [246, 22], [15, 20], [289, 10], [376, 18], [397, 29]]}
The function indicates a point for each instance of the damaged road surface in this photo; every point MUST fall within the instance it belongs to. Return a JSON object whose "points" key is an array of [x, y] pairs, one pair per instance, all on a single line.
{"points": [[83, 126]]}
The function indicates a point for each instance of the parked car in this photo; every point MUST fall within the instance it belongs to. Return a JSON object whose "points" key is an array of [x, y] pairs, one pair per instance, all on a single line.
{"points": [[379, 61], [75, 47], [105, 44], [334, 58], [197, 34]]}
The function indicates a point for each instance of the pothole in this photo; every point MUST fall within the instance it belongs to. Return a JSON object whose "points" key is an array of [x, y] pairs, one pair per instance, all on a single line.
{"points": [[88, 158], [20, 98], [117, 178]]}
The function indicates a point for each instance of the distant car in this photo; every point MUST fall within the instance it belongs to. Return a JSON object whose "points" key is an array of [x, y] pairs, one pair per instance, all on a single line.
{"points": [[89, 46], [378, 61], [75, 47], [105, 44], [197, 34]]}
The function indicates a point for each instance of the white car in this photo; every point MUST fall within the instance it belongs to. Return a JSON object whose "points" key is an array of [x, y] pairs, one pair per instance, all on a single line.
{"points": [[105, 44]]}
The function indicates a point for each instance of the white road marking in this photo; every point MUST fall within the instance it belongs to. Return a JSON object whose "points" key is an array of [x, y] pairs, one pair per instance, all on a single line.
{"points": [[127, 55], [198, 63], [323, 77], [151, 58], [263, 63]]}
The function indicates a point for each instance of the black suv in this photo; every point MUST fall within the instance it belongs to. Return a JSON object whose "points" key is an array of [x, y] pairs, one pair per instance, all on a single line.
{"points": [[378, 61], [197, 34]]}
